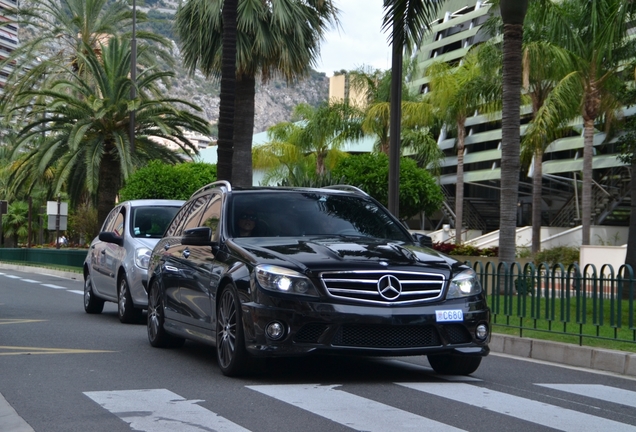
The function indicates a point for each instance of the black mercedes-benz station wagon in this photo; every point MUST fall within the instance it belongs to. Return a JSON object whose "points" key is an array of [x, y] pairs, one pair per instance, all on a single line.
{"points": [[262, 272]]}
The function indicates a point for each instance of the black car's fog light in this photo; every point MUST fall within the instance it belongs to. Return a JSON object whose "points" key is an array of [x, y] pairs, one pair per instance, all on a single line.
{"points": [[275, 330], [482, 331]]}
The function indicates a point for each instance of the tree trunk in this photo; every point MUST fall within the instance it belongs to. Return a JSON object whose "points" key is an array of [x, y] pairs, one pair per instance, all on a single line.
{"points": [[586, 192], [630, 257], [537, 184], [459, 186], [243, 131], [510, 140], [395, 118], [109, 184], [228, 88]]}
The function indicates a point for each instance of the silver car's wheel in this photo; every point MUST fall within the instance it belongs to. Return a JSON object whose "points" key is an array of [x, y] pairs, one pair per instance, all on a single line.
{"points": [[92, 304], [125, 307], [230, 346]]}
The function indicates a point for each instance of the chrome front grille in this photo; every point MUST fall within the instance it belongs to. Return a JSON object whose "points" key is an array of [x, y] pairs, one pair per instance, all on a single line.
{"points": [[363, 286]]}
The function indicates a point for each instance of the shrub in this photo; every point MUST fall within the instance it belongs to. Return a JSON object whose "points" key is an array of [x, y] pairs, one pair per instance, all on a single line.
{"points": [[158, 180], [565, 255]]}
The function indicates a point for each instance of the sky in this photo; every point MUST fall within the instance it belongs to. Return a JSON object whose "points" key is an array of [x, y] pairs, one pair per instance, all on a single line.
{"points": [[358, 42]]}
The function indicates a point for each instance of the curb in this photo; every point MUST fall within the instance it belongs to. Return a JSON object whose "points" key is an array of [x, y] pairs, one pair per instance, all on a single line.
{"points": [[599, 359], [43, 270]]}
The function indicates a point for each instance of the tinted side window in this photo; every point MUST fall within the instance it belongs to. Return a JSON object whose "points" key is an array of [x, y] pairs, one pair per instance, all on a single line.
{"points": [[212, 215], [194, 215], [177, 221]]}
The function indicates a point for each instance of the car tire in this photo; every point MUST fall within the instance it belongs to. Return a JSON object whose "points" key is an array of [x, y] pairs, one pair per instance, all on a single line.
{"points": [[126, 310], [231, 354], [92, 304], [449, 364], [157, 335]]}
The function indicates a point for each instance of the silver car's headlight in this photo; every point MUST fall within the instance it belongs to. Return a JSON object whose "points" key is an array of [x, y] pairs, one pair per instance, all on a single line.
{"points": [[463, 285], [142, 257], [283, 280]]}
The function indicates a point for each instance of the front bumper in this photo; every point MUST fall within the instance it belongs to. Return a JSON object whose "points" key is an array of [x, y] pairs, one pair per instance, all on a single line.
{"points": [[313, 327]]}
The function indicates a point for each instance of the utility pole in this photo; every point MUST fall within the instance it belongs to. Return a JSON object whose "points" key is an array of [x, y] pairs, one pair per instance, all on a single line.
{"points": [[57, 222]]}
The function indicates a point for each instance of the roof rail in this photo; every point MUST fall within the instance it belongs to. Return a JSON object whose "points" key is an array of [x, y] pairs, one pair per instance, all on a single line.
{"points": [[347, 188], [221, 183]]}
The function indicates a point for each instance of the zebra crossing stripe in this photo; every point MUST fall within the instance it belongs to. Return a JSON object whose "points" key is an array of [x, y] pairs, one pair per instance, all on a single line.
{"points": [[11, 276], [30, 281], [522, 408], [598, 391], [76, 292], [161, 410], [350, 410]]}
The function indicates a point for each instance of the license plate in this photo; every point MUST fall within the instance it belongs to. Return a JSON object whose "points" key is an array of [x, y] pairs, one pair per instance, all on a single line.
{"points": [[449, 315]]}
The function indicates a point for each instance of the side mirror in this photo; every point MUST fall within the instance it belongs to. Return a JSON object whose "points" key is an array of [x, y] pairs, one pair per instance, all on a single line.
{"points": [[111, 237], [423, 240], [197, 237]]}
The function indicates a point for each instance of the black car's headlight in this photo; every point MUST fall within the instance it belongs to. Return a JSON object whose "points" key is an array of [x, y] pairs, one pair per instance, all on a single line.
{"points": [[464, 284], [283, 280]]}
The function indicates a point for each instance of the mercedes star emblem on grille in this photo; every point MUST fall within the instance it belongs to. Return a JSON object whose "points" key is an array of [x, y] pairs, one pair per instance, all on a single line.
{"points": [[389, 287]]}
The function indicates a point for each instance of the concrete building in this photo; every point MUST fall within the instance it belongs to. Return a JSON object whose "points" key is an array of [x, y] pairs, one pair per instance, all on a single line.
{"points": [[8, 37], [453, 33]]}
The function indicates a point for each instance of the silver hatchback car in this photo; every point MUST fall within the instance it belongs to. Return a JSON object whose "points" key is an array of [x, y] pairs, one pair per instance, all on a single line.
{"points": [[116, 266]]}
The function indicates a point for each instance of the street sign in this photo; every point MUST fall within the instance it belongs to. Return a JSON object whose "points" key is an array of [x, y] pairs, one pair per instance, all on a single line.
{"points": [[51, 208], [51, 222]]}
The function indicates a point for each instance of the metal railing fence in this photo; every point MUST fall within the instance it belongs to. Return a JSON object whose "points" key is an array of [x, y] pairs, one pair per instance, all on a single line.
{"points": [[589, 303]]}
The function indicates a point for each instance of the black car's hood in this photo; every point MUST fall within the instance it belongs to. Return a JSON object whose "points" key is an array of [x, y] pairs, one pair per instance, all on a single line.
{"points": [[320, 253]]}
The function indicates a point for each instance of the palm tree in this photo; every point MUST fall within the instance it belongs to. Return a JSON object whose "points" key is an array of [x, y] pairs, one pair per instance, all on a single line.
{"points": [[273, 38], [62, 30], [375, 85], [407, 20], [320, 132], [597, 53], [15, 222], [543, 65], [85, 118], [513, 13], [457, 92]]}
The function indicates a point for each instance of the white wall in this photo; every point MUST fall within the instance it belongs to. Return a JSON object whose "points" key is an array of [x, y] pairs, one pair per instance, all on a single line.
{"points": [[601, 255]]}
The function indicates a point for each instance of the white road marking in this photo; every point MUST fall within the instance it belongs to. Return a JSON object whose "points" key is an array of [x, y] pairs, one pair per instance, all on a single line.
{"points": [[30, 281], [350, 410], [161, 410], [53, 286], [522, 408], [598, 391], [76, 292], [12, 276]]}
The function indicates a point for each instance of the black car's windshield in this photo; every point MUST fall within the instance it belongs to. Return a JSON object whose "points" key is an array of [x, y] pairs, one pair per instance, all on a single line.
{"points": [[151, 221], [290, 213]]}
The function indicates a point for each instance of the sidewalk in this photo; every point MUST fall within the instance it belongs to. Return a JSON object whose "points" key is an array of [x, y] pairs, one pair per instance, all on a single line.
{"points": [[599, 359]]}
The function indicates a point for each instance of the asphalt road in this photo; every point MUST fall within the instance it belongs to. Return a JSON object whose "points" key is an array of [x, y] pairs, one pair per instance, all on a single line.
{"points": [[64, 370]]}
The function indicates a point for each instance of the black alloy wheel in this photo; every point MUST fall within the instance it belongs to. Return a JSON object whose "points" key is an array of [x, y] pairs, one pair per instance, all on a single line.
{"points": [[157, 335], [449, 364], [230, 345], [92, 304]]}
